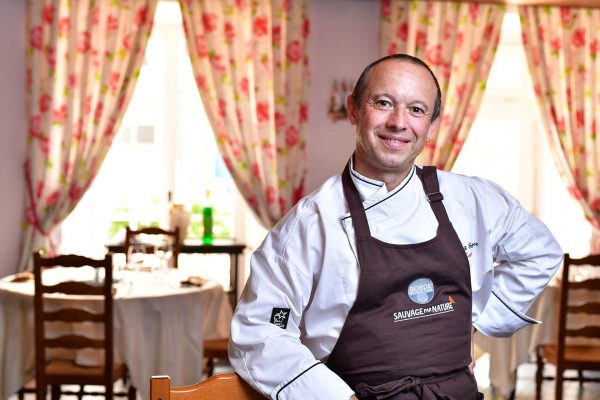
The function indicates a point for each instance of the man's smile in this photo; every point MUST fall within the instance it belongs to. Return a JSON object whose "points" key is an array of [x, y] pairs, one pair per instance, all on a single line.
{"points": [[395, 141]]}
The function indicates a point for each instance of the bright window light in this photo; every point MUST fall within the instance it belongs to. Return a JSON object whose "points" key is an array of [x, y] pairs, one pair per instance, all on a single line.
{"points": [[507, 145]]}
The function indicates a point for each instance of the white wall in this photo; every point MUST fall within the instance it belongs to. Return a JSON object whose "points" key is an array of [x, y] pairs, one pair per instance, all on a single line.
{"points": [[343, 40], [12, 130]]}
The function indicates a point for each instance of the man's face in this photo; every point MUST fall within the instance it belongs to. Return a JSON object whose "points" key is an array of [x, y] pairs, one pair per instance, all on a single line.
{"points": [[393, 120]]}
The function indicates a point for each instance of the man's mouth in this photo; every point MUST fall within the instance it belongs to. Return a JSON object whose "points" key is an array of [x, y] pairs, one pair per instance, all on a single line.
{"points": [[395, 141], [391, 140]]}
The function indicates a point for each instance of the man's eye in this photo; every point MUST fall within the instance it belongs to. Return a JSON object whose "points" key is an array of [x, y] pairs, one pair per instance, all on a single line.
{"points": [[383, 103], [416, 110]]}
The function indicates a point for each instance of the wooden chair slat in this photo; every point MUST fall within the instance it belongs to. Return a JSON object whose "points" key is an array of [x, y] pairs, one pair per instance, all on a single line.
{"points": [[75, 288], [71, 260], [73, 315], [590, 284], [592, 332], [584, 308], [74, 342], [131, 236]]}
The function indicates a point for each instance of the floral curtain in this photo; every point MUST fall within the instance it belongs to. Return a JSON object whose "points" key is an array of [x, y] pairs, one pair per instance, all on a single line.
{"points": [[563, 52], [458, 40], [251, 67], [83, 59]]}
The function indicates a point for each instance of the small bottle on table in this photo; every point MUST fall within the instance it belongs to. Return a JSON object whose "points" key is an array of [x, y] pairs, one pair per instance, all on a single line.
{"points": [[207, 220]]}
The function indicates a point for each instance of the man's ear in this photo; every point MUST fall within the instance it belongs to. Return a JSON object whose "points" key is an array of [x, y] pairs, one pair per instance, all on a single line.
{"points": [[351, 107], [433, 127]]}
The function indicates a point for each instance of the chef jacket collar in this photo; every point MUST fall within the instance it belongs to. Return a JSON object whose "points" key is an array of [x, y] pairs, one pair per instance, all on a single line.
{"points": [[373, 191]]}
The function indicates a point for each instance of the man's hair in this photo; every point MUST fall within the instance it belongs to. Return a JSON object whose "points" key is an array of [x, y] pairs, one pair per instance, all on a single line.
{"points": [[363, 80]]}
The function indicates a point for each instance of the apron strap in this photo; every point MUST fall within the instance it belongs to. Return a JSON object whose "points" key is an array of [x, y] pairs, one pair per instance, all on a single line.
{"points": [[431, 185], [357, 210]]}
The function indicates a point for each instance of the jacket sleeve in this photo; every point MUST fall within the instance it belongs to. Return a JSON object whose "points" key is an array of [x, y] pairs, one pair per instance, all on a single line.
{"points": [[265, 347], [526, 256]]}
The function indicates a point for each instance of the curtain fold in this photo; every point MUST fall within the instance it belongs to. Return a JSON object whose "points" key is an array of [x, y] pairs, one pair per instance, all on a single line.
{"points": [[458, 40], [562, 45], [83, 59], [251, 66]]}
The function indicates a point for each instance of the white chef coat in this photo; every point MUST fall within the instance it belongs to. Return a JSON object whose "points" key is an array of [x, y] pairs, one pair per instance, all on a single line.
{"points": [[308, 264]]}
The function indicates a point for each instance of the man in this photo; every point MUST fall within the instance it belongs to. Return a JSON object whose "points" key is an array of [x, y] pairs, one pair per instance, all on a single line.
{"points": [[370, 286]]}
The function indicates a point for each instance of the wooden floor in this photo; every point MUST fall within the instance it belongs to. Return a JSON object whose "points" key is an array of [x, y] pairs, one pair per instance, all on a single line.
{"points": [[525, 389]]}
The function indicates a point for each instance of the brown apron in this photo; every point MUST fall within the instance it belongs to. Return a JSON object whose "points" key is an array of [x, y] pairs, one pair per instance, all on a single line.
{"points": [[408, 334]]}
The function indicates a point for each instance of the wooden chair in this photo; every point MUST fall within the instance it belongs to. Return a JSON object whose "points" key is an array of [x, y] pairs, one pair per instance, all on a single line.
{"points": [[130, 237], [214, 349], [565, 354], [218, 387], [54, 371]]}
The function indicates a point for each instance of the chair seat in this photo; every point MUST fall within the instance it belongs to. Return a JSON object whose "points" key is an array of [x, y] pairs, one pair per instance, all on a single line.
{"points": [[67, 371], [573, 353]]}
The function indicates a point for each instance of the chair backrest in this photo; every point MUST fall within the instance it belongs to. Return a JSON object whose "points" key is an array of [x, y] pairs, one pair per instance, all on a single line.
{"points": [[173, 236], [67, 308], [218, 387], [579, 311]]}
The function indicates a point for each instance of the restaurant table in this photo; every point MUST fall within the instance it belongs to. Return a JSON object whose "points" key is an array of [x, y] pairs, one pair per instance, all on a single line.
{"points": [[159, 327], [219, 246]]}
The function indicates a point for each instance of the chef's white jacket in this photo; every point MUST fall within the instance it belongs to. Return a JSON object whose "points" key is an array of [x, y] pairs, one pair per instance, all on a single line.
{"points": [[308, 264]]}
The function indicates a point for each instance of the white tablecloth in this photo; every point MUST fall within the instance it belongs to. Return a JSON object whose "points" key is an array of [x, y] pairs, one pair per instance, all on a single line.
{"points": [[159, 328]]}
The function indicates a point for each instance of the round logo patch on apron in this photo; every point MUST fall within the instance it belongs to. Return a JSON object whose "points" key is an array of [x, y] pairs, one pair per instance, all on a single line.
{"points": [[421, 290]]}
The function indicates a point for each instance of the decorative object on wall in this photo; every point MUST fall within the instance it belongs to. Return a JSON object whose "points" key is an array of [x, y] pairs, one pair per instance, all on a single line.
{"points": [[340, 90]]}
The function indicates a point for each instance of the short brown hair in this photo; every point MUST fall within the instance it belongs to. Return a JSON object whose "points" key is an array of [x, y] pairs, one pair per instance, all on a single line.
{"points": [[361, 84]]}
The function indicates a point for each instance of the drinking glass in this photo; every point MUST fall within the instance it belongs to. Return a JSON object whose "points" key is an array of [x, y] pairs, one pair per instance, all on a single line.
{"points": [[136, 253], [164, 252]]}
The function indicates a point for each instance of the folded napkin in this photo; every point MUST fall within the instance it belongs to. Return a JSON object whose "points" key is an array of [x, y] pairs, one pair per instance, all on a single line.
{"points": [[22, 277], [194, 281]]}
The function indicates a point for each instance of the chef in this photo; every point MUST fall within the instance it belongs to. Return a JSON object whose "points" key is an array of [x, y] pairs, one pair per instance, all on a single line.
{"points": [[372, 286]]}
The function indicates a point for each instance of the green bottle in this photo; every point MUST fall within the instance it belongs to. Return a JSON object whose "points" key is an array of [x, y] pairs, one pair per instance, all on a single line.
{"points": [[207, 220]]}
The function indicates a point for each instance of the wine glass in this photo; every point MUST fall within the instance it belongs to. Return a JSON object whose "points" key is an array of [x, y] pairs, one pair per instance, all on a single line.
{"points": [[136, 254], [164, 252]]}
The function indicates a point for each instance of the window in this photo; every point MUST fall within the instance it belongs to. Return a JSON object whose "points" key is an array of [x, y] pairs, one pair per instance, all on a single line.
{"points": [[164, 145], [507, 145]]}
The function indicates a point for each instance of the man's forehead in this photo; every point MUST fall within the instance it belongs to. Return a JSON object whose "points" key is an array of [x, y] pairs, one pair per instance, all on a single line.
{"points": [[392, 77], [393, 67]]}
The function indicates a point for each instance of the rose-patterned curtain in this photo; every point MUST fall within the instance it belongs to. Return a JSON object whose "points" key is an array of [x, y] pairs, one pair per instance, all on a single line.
{"points": [[563, 52], [458, 40], [83, 59], [251, 66]]}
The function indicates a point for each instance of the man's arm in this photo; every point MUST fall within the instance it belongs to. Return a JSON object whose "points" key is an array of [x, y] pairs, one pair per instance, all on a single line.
{"points": [[266, 349], [526, 257]]}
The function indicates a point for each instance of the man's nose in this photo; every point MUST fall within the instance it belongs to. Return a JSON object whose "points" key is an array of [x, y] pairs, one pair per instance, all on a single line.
{"points": [[398, 118]]}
